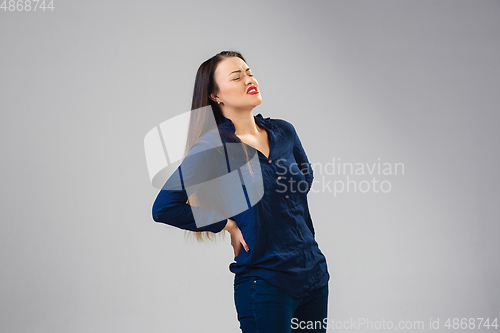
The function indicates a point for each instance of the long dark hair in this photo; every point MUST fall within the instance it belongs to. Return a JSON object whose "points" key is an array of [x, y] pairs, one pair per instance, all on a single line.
{"points": [[205, 85]]}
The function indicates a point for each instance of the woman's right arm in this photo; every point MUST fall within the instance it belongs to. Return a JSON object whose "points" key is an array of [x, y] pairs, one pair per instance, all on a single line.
{"points": [[171, 207]]}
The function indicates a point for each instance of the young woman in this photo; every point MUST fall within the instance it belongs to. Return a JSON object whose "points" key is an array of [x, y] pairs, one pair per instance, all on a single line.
{"points": [[281, 276]]}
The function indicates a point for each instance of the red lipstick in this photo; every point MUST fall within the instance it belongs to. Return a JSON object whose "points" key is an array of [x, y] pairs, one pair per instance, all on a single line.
{"points": [[255, 91]]}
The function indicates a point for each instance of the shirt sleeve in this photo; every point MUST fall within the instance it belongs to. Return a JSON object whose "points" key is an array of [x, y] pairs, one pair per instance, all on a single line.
{"points": [[171, 207], [302, 161]]}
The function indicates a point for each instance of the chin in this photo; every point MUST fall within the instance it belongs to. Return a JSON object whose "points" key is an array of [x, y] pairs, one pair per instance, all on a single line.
{"points": [[257, 102]]}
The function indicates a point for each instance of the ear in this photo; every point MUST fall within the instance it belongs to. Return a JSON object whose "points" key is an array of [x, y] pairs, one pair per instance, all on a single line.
{"points": [[213, 97]]}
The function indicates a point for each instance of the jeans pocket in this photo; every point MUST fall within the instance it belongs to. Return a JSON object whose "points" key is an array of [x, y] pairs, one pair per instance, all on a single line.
{"points": [[241, 279], [258, 279]]}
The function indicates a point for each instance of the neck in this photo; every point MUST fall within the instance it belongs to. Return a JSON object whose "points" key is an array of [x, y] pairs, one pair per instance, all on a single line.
{"points": [[243, 121]]}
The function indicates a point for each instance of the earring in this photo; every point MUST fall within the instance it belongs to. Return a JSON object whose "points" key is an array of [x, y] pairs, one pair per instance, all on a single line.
{"points": [[218, 102]]}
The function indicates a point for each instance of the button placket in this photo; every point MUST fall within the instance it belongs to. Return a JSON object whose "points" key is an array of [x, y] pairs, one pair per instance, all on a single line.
{"points": [[284, 194]]}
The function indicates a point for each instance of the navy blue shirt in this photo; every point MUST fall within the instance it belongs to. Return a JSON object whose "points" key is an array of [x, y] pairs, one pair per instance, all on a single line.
{"points": [[278, 229]]}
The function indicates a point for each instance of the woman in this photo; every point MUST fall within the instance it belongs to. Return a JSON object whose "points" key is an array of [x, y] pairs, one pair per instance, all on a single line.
{"points": [[281, 276]]}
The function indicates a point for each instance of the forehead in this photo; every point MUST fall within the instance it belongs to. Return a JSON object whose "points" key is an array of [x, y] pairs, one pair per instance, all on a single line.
{"points": [[229, 65]]}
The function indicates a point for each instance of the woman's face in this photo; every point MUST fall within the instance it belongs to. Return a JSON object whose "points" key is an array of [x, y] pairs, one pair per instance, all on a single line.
{"points": [[235, 82]]}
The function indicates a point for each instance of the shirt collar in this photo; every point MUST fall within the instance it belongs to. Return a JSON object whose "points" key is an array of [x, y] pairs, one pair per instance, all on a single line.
{"points": [[227, 125]]}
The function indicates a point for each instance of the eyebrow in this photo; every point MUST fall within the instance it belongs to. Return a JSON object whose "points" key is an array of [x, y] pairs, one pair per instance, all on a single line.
{"points": [[238, 71]]}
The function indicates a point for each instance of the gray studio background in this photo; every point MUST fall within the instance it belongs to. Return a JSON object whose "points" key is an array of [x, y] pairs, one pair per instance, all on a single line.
{"points": [[412, 82]]}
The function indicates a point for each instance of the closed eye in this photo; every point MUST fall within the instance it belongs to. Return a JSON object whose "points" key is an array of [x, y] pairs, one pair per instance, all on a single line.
{"points": [[238, 77]]}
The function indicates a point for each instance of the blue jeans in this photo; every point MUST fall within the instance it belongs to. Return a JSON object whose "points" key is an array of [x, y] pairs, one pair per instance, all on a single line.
{"points": [[263, 308]]}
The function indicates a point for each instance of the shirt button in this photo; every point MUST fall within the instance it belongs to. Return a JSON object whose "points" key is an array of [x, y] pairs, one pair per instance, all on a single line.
{"points": [[286, 196], [279, 177], [270, 161]]}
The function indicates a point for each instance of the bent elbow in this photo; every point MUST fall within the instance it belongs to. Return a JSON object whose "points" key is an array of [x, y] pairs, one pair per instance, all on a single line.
{"points": [[158, 213], [160, 206], [163, 217], [156, 217]]}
